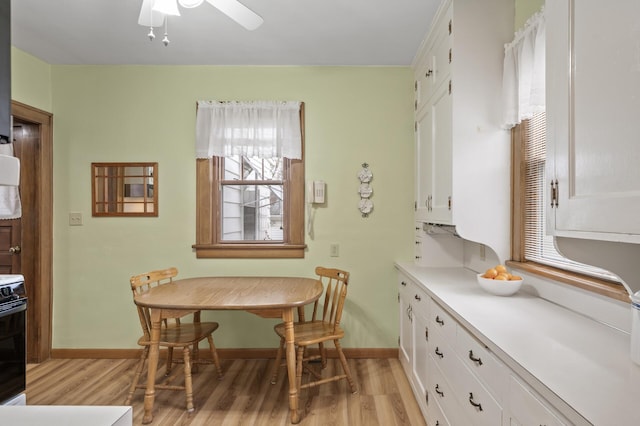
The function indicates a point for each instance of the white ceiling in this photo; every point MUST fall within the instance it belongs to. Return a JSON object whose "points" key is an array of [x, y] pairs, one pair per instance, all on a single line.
{"points": [[295, 32]]}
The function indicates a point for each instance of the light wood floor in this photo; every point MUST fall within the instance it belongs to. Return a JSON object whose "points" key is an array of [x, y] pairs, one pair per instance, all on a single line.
{"points": [[243, 397]]}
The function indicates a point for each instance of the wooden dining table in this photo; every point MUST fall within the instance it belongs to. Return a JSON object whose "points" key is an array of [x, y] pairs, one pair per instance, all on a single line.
{"points": [[268, 297]]}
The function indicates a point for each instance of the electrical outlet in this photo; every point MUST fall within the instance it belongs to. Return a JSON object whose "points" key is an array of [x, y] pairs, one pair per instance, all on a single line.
{"points": [[75, 219], [334, 250]]}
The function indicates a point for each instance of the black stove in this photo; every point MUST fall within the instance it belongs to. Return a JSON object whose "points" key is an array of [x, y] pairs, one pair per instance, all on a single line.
{"points": [[13, 333], [12, 292]]}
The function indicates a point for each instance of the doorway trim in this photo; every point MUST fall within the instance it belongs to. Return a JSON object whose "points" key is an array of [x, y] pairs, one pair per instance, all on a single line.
{"points": [[41, 303]]}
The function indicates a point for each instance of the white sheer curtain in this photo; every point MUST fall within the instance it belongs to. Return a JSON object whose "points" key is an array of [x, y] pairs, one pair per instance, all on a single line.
{"points": [[261, 129], [523, 78]]}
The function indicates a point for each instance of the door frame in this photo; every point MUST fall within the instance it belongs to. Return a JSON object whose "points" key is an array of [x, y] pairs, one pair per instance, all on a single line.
{"points": [[40, 305]]}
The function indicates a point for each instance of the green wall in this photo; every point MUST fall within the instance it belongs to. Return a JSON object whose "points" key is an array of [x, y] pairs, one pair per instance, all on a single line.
{"points": [[147, 113], [524, 10], [30, 80]]}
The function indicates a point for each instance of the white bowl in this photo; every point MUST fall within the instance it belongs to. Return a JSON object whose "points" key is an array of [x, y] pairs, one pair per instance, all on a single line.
{"points": [[499, 287]]}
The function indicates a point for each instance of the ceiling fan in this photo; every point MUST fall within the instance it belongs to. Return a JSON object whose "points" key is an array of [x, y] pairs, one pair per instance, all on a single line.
{"points": [[154, 13]]}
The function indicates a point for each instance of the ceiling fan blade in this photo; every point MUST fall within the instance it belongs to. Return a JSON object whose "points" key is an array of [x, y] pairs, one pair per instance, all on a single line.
{"points": [[238, 12], [149, 17]]}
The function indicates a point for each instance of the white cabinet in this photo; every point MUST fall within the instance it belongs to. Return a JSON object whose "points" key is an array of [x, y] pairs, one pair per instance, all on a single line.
{"points": [[528, 409], [433, 153], [456, 379], [414, 335], [462, 155], [593, 105], [475, 401]]}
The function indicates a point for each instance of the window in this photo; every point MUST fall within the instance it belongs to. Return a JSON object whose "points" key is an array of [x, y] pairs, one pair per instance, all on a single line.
{"points": [[252, 198], [532, 249], [250, 206]]}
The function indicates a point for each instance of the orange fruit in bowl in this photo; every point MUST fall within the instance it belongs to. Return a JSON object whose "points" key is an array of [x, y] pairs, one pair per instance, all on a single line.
{"points": [[501, 277], [501, 268], [515, 278], [490, 273]]}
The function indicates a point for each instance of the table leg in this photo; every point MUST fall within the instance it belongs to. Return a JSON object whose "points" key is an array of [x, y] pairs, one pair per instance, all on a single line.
{"points": [[152, 368], [287, 317]]}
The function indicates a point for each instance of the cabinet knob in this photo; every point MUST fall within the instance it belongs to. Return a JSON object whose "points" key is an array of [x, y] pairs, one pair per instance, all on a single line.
{"points": [[438, 391], [439, 321], [417, 297], [440, 354], [428, 73]]}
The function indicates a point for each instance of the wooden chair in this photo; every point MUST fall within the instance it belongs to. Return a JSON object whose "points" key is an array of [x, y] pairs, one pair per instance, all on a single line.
{"points": [[318, 331], [172, 335]]}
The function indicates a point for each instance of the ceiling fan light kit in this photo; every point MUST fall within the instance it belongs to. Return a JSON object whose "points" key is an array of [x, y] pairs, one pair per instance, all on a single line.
{"points": [[188, 4], [154, 13]]}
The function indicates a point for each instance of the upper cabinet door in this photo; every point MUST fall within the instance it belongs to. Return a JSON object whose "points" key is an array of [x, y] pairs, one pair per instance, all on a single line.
{"points": [[593, 118]]}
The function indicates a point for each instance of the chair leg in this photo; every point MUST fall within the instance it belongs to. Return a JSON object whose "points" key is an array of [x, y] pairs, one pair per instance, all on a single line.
{"points": [[214, 355], [276, 364], [299, 359], [137, 374], [188, 384], [323, 355], [169, 361], [345, 366], [195, 354]]}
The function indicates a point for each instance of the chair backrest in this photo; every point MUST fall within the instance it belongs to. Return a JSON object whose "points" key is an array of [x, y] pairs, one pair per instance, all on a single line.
{"points": [[142, 283], [335, 282]]}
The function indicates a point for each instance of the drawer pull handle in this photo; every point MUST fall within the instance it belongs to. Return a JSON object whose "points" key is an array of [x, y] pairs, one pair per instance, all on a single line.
{"points": [[438, 391], [439, 321], [440, 354], [474, 359], [417, 297], [475, 404]]}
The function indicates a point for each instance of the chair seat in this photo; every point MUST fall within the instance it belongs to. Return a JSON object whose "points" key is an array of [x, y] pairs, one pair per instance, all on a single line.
{"points": [[182, 335], [309, 333]]}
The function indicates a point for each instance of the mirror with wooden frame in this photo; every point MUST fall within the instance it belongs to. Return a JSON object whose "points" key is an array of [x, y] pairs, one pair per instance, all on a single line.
{"points": [[124, 189]]}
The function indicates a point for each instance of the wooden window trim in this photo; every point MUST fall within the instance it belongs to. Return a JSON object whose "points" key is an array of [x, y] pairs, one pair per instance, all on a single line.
{"points": [[585, 282], [208, 244]]}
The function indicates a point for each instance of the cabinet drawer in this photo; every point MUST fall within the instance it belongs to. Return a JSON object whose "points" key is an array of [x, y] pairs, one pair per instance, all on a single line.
{"points": [[441, 393], [435, 416], [526, 409], [442, 352], [482, 362], [474, 399], [443, 322]]}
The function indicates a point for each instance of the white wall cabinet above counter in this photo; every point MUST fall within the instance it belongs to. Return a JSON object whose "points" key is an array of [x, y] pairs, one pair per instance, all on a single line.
{"points": [[545, 364], [593, 105], [462, 154]]}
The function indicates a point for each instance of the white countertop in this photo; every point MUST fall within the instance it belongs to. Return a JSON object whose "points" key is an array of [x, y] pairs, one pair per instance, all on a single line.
{"points": [[568, 358]]}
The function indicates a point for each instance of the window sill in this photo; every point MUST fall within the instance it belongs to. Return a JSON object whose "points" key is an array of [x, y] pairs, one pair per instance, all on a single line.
{"points": [[250, 251], [601, 287]]}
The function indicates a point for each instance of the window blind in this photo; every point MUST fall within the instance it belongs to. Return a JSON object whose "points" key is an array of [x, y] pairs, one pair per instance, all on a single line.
{"points": [[539, 247]]}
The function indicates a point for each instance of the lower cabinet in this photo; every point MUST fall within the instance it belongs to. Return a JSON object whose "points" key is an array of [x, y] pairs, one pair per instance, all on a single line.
{"points": [[528, 409], [414, 335], [455, 378]]}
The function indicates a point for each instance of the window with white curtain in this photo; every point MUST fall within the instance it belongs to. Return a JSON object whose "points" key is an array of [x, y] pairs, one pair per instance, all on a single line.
{"points": [[524, 112], [250, 179]]}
